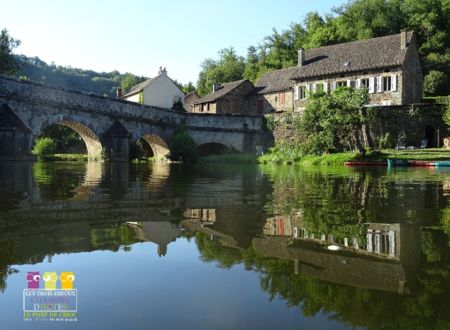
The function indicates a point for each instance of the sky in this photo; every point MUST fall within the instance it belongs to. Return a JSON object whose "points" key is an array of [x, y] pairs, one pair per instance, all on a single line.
{"points": [[139, 36]]}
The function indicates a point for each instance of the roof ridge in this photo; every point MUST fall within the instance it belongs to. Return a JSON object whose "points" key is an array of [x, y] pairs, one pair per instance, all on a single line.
{"points": [[410, 33]]}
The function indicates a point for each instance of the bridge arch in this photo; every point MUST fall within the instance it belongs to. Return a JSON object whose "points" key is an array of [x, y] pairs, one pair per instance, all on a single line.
{"points": [[213, 148], [93, 145], [157, 144]]}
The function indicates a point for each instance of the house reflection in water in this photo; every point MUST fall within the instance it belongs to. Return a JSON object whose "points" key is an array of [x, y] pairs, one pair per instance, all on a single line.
{"points": [[207, 216], [383, 257], [161, 233], [377, 256], [380, 239]]}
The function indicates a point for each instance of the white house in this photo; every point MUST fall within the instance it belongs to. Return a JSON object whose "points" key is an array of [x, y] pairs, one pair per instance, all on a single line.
{"points": [[159, 91]]}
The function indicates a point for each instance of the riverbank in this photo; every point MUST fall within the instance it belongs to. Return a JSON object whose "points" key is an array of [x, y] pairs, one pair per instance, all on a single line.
{"points": [[435, 154], [64, 157]]}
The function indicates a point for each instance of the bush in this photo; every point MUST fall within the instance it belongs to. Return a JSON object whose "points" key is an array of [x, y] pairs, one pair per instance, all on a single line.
{"points": [[436, 83], [386, 141], [44, 147], [183, 148], [447, 115]]}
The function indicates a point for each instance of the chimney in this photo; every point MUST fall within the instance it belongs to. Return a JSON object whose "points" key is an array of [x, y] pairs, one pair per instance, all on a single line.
{"points": [[301, 57], [119, 92], [216, 87], [403, 34], [162, 71]]}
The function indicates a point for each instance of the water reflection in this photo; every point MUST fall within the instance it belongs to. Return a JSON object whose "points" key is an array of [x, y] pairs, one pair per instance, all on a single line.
{"points": [[368, 248]]}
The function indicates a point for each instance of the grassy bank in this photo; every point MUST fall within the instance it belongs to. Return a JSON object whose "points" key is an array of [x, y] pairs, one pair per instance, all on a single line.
{"points": [[341, 158], [241, 158], [331, 159], [64, 157]]}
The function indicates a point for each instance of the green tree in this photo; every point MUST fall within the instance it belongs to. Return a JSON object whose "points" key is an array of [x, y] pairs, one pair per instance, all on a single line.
{"points": [[129, 80], [8, 63], [44, 146], [229, 67], [251, 66], [183, 147], [189, 87], [333, 122], [436, 83]]}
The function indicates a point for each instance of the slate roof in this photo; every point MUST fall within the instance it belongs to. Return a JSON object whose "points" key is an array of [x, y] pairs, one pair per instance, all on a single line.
{"points": [[224, 90], [375, 53], [140, 87], [274, 81]]}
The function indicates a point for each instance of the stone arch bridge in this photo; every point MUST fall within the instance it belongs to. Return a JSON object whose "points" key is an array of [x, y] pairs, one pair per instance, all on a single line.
{"points": [[108, 125]]}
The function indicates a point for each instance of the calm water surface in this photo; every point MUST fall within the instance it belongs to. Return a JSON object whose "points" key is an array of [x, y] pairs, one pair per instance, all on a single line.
{"points": [[229, 247]]}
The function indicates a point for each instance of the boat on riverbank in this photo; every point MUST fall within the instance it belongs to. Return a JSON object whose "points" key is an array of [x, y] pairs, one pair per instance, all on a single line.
{"points": [[395, 162]]}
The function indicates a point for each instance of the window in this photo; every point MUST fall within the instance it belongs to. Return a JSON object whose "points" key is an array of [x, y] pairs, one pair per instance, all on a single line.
{"points": [[365, 83], [302, 92], [387, 82], [282, 98], [341, 83], [276, 99]]}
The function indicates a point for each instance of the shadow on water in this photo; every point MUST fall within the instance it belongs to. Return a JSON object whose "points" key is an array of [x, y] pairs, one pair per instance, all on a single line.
{"points": [[368, 248]]}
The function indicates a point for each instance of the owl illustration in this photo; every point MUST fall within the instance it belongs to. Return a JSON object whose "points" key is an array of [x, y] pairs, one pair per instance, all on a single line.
{"points": [[33, 280], [50, 279], [67, 279]]}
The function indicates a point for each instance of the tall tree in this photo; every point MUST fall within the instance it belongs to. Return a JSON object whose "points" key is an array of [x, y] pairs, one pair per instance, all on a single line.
{"points": [[8, 63], [229, 67]]}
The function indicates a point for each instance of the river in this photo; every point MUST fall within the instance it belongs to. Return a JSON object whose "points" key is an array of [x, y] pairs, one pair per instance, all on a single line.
{"points": [[158, 246]]}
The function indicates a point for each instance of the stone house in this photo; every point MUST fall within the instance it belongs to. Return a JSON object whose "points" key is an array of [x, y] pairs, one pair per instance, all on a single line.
{"points": [[189, 100], [387, 66], [159, 91], [226, 98]]}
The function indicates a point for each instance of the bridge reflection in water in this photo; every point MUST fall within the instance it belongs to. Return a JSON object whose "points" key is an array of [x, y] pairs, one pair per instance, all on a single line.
{"points": [[236, 216]]}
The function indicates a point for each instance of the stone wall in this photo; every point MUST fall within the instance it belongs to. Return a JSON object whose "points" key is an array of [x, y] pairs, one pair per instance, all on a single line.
{"points": [[235, 101], [415, 124], [272, 102], [412, 91]]}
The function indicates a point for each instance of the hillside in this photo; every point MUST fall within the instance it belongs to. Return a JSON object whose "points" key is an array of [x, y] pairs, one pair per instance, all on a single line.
{"points": [[103, 83]]}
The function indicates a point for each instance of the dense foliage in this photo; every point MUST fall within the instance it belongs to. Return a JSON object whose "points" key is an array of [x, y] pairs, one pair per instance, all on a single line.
{"points": [[66, 139], [356, 20], [229, 67], [43, 147], [8, 63], [183, 147], [333, 122]]}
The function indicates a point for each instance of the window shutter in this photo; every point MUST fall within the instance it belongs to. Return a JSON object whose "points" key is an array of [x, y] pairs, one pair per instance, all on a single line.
{"points": [[394, 83], [379, 85], [358, 83], [349, 83], [372, 85], [325, 87], [333, 85], [296, 92], [313, 88]]}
